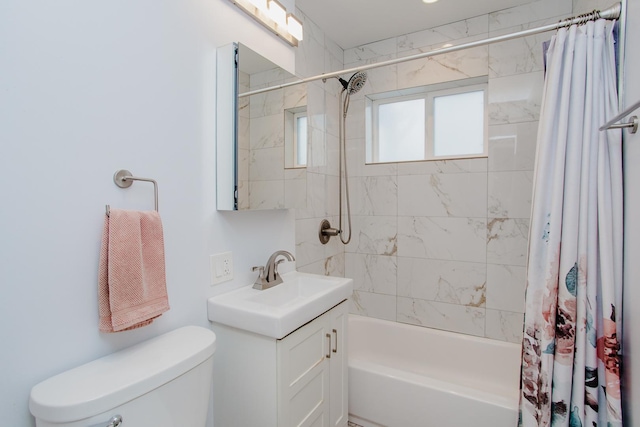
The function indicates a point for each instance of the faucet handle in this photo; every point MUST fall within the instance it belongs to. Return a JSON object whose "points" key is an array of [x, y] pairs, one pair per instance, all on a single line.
{"points": [[260, 269]]}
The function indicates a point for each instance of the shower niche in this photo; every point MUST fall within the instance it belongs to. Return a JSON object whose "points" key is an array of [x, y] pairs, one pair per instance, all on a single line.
{"points": [[252, 167]]}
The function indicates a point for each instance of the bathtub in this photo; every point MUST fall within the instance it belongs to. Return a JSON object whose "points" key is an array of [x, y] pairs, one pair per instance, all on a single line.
{"points": [[408, 376]]}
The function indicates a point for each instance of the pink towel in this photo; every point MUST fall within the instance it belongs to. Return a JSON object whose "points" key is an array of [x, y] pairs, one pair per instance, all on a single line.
{"points": [[132, 288]]}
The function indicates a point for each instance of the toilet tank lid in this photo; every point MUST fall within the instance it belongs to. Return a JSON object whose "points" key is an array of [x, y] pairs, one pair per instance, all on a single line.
{"points": [[115, 379]]}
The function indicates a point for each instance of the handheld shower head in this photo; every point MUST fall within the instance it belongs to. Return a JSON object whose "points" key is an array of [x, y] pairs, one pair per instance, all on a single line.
{"points": [[355, 83]]}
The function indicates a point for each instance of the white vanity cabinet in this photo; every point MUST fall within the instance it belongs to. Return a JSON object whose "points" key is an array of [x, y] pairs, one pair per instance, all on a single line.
{"points": [[299, 380]]}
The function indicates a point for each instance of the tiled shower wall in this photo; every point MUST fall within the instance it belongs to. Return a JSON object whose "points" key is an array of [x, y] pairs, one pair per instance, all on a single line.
{"points": [[439, 244], [443, 243], [264, 182], [318, 54]]}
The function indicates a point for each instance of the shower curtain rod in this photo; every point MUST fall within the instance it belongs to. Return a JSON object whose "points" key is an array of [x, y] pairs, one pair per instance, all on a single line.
{"points": [[612, 12]]}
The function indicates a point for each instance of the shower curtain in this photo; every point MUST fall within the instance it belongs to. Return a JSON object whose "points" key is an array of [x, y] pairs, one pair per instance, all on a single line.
{"points": [[571, 344]]}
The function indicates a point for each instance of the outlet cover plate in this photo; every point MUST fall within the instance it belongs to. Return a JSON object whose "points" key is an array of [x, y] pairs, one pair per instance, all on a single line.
{"points": [[221, 267]]}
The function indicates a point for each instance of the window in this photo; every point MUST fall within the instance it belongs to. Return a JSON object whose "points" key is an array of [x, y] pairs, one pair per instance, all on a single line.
{"points": [[300, 139], [401, 130], [295, 137], [428, 123]]}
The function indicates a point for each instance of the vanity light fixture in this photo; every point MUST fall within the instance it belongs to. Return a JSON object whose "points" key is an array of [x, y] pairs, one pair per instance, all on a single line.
{"points": [[273, 15], [429, 1]]}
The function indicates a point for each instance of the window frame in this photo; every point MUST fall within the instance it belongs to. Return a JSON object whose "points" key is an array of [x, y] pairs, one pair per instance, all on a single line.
{"points": [[291, 136], [428, 93], [296, 131], [430, 114], [375, 107]]}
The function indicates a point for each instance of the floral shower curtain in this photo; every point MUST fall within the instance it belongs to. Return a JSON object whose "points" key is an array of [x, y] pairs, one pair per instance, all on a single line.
{"points": [[571, 344]]}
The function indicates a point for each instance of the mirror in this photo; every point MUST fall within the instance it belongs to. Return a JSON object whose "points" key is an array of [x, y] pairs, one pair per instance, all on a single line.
{"points": [[261, 139]]}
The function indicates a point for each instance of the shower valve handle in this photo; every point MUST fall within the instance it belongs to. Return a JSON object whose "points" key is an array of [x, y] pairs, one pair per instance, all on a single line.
{"points": [[331, 232], [326, 232]]}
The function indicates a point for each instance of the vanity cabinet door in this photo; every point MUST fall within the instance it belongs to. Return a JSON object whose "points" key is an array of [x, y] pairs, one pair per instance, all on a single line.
{"points": [[303, 375], [312, 372], [339, 366]]}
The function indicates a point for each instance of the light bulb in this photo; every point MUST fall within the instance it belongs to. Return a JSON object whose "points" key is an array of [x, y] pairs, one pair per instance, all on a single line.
{"points": [[277, 12], [260, 4], [294, 26]]}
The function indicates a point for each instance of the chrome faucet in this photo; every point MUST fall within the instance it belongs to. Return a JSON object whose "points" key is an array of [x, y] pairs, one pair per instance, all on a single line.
{"points": [[268, 275]]}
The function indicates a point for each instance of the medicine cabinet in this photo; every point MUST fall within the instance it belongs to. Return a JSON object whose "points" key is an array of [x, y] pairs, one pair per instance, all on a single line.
{"points": [[252, 169]]}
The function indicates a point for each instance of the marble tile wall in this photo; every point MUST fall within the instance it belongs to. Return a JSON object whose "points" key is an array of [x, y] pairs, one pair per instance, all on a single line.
{"points": [[584, 6], [439, 244], [443, 244], [318, 54]]}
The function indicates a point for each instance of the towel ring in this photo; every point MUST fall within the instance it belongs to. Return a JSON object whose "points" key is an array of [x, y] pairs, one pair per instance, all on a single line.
{"points": [[124, 179]]}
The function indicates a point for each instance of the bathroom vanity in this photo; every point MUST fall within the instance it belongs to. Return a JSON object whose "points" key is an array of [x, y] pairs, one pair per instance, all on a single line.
{"points": [[281, 359], [298, 380]]}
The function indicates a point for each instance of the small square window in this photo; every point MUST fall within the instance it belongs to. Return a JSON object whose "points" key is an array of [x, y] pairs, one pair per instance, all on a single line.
{"points": [[458, 124], [401, 131]]}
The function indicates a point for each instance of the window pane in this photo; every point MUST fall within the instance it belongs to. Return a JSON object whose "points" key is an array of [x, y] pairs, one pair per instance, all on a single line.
{"points": [[458, 122], [401, 131], [301, 140]]}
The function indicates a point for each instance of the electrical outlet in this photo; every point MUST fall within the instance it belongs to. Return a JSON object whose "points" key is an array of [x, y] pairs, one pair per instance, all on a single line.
{"points": [[221, 267]]}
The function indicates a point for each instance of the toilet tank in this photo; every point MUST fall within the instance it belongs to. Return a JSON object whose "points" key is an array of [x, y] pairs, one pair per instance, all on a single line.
{"points": [[162, 382]]}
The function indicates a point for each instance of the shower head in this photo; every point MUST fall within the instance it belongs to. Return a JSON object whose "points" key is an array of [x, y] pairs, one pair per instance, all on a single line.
{"points": [[355, 83]]}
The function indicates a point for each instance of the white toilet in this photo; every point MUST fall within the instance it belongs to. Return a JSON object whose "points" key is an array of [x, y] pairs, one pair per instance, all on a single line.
{"points": [[162, 382]]}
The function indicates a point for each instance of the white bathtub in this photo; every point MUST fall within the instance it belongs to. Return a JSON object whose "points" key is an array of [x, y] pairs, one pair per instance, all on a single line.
{"points": [[408, 376]]}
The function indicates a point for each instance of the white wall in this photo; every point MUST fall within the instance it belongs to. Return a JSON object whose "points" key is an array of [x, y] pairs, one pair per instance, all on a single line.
{"points": [[631, 297], [87, 88]]}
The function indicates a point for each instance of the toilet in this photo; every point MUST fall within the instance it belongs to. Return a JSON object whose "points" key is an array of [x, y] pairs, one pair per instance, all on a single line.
{"points": [[162, 382]]}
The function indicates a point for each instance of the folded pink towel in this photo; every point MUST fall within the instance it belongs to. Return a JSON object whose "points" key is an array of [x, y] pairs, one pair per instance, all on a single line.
{"points": [[132, 288]]}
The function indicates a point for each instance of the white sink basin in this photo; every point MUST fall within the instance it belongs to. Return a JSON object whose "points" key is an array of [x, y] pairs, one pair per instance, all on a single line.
{"points": [[278, 311]]}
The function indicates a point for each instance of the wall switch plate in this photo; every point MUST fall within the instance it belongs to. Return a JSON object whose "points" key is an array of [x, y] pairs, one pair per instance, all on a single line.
{"points": [[221, 267]]}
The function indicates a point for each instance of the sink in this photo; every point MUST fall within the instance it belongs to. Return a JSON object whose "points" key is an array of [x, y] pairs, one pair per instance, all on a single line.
{"points": [[280, 310]]}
